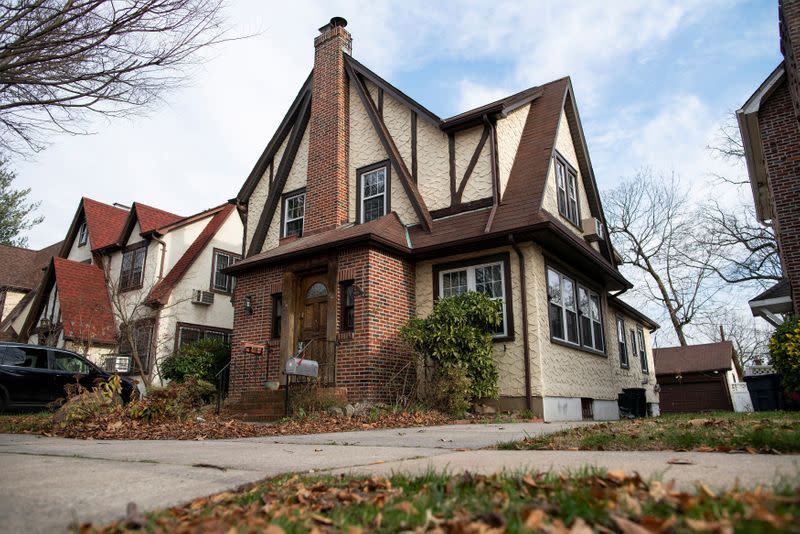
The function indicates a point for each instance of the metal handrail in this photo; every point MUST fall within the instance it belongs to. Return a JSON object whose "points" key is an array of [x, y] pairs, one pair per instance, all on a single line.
{"points": [[219, 377]]}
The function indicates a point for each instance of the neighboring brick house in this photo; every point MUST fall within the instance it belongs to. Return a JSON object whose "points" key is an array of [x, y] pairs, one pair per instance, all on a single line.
{"points": [[21, 271], [365, 207], [155, 270], [771, 137]]}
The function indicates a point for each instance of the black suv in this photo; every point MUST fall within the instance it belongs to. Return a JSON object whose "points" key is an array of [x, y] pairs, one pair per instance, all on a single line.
{"points": [[35, 376]]}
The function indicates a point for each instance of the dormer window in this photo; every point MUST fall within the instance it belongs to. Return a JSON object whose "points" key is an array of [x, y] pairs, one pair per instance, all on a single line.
{"points": [[294, 209], [83, 234], [373, 192], [567, 184]]}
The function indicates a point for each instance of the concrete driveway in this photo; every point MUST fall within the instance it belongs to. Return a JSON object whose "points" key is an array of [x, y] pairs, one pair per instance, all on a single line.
{"points": [[48, 483]]}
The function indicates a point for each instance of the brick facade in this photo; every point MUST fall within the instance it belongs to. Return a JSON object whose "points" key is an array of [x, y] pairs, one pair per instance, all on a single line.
{"points": [[326, 190], [372, 362], [780, 134]]}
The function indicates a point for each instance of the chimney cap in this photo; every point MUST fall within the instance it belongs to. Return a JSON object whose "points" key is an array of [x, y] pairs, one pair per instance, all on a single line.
{"points": [[335, 22]]}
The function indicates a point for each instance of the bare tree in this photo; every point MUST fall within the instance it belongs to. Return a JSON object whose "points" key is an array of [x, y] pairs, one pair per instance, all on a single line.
{"points": [[652, 227], [749, 337], [63, 60]]}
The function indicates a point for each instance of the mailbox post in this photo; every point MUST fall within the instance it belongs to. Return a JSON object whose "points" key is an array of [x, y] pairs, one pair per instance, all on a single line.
{"points": [[298, 367]]}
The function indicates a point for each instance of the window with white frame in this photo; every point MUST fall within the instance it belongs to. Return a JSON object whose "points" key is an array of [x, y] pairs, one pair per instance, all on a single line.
{"points": [[642, 351], [622, 343], [591, 324], [562, 310], [567, 191], [221, 281], [488, 278], [373, 188], [83, 234], [294, 208], [574, 311]]}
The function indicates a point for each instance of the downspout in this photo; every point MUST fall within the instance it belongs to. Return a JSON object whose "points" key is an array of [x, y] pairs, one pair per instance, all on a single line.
{"points": [[524, 297], [163, 255]]}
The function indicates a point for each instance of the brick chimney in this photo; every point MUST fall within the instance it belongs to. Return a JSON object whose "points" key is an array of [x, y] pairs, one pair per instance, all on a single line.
{"points": [[329, 131]]}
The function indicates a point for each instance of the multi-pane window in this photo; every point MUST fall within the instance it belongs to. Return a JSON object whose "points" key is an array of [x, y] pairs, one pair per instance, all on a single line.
{"points": [[487, 278], [591, 324], [277, 315], [223, 282], [294, 211], [373, 194], [574, 310], [132, 270], [622, 343], [640, 346], [348, 305], [191, 334], [567, 191], [83, 234], [138, 340]]}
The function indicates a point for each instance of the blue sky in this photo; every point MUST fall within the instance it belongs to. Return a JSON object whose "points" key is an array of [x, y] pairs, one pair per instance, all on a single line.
{"points": [[654, 80]]}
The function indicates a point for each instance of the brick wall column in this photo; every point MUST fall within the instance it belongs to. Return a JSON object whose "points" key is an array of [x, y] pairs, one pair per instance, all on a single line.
{"points": [[326, 189]]}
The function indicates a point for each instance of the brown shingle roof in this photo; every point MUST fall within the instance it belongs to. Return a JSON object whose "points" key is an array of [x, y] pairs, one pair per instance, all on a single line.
{"points": [[22, 268], [694, 358]]}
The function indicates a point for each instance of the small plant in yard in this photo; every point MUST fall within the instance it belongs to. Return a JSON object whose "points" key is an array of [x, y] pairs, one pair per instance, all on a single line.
{"points": [[457, 338], [202, 359], [784, 353], [509, 502]]}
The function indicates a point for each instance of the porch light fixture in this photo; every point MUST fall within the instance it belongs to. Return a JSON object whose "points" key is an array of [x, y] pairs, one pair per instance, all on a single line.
{"points": [[248, 305]]}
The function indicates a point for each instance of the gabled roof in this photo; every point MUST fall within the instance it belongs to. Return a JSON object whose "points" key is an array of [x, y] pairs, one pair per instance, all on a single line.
{"points": [[22, 268], [85, 306], [150, 219], [104, 224], [161, 291], [708, 357]]}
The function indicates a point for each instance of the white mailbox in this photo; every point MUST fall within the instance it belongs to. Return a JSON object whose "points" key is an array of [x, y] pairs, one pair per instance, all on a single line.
{"points": [[300, 367]]}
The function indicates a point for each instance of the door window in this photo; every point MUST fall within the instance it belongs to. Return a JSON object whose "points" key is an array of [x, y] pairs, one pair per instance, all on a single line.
{"points": [[64, 361]]}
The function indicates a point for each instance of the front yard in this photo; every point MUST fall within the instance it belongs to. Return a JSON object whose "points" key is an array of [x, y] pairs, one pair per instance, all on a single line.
{"points": [[763, 432], [580, 503]]}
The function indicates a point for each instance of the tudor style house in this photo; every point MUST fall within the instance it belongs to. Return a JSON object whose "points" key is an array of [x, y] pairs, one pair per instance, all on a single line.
{"points": [[21, 271], [365, 208], [770, 126], [137, 277]]}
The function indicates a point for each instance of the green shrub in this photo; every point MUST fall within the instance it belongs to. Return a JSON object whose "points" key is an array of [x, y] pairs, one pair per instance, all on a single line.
{"points": [[458, 334], [202, 359], [447, 390], [784, 353]]}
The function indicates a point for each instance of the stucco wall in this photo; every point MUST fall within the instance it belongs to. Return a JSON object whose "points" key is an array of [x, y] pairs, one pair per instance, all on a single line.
{"points": [[508, 355], [566, 148], [83, 253], [366, 149], [479, 184], [509, 133], [433, 165], [258, 200], [12, 298]]}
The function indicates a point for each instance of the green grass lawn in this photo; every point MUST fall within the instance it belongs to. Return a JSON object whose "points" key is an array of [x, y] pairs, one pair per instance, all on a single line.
{"points": [[469, 503], [766, 432]]}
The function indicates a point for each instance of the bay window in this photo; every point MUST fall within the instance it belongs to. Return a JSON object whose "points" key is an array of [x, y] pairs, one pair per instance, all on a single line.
{"points": [[575, 312]]}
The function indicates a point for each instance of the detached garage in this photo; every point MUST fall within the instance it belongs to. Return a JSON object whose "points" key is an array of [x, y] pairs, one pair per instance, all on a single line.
{"points": [[696, 378]]}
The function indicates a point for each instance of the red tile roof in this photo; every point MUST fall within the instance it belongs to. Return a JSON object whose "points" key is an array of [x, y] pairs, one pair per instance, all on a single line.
{"points": [[160, 292], [22, 268], [104, 222], [85, 306], [694, 358], [151, 218]]}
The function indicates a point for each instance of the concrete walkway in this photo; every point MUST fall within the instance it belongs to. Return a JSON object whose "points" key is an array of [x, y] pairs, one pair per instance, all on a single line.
{"points": [[48, 483]]}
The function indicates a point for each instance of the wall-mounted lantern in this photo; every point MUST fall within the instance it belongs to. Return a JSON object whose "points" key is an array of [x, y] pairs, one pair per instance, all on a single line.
{"points": [[248, 305]]}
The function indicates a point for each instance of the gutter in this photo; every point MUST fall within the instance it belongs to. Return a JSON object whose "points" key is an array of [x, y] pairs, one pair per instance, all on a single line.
{"points": [[526, 348]]}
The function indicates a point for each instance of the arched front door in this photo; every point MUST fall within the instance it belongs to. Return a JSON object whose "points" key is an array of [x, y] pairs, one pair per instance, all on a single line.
{"points": [[313, 324]]}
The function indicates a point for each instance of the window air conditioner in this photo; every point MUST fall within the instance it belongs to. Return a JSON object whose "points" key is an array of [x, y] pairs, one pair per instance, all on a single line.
{"points": [[593, 229], [202, 297]]}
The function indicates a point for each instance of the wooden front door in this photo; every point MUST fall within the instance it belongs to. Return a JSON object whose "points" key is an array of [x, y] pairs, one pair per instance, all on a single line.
{"points": [[312, 324]]}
